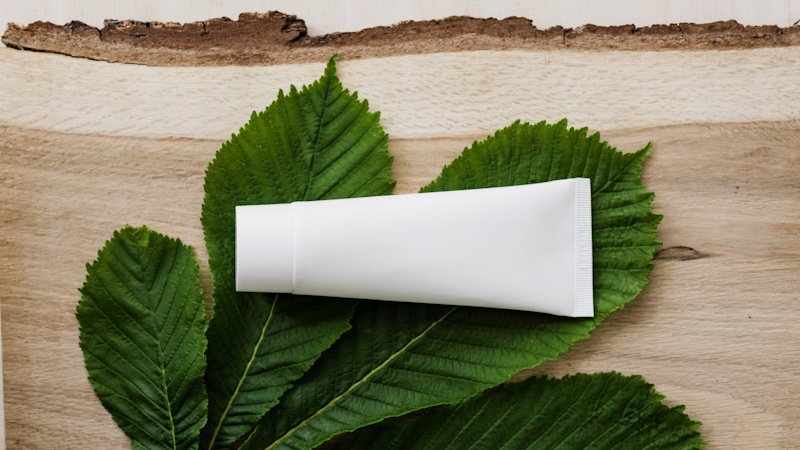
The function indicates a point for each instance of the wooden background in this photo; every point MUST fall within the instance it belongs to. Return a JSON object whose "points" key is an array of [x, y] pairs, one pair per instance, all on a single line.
{"points": [[88, 146]]}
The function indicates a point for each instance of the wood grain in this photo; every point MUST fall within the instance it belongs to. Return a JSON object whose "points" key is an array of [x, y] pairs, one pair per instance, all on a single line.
{"points": [[2, 400], [86, 147], [435, 95]]}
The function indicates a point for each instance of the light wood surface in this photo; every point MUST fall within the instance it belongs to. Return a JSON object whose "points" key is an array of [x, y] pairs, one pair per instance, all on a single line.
{"points": [[2, 401], [435, 95], [86, 147]]}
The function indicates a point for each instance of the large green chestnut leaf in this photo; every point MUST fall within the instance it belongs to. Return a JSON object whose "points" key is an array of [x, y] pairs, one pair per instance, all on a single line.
{"points": [[597, 411], [319, 142], [142, 323]]}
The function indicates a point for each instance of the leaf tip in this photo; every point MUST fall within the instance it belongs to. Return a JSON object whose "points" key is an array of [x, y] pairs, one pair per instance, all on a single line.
{"points": [[330, 68], [642, 154]]}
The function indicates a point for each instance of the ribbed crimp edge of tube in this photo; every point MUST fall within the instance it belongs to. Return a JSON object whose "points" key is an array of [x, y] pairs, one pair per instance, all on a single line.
{"points": [[584, 290]]}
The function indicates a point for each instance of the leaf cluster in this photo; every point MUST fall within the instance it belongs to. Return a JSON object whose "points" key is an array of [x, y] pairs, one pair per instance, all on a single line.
{"points": [[273, 371]]}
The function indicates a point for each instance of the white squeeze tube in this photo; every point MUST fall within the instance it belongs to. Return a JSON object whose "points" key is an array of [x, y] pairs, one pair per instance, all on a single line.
{"points": [[523, 247]]}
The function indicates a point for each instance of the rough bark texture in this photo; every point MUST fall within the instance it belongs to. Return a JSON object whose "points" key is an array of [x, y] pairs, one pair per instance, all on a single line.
{"points": [[277, 38]]}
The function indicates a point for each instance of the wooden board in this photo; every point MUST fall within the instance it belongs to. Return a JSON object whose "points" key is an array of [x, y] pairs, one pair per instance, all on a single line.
{"points": [[88, 146]]}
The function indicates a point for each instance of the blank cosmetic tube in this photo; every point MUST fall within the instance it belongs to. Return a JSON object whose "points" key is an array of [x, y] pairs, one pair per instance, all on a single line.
{"points": [[525, 247]]}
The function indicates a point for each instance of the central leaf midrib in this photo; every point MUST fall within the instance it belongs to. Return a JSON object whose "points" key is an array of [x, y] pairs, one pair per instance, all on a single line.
{"points": [[620, 391], [621, 171], [363, 380], [228, 406], [157, 330], [315, 142]]}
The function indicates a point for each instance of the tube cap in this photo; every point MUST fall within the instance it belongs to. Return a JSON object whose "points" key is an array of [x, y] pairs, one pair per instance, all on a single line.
{"points": [[264, 248]]}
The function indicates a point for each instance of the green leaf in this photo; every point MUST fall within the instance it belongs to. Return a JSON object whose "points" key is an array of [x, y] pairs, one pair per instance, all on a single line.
{"points": [[142, 324], [317, 143], [399, 357], [598, 411]]}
